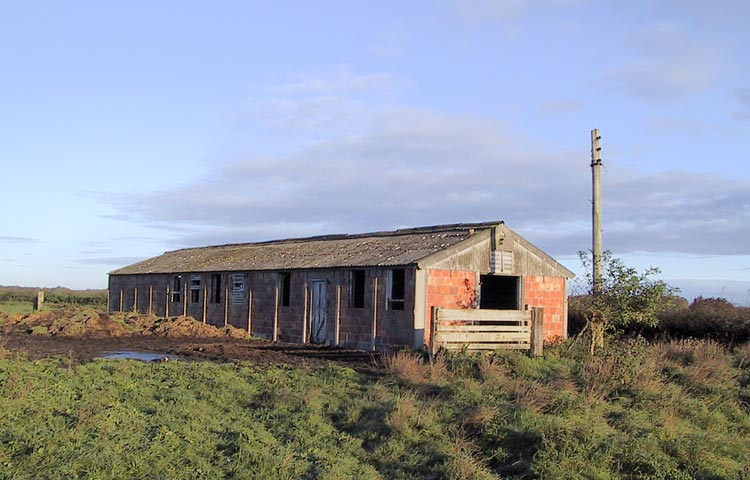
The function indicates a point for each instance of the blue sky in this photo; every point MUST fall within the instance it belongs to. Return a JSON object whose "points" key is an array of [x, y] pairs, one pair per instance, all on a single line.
{"points": [[131, 128]]}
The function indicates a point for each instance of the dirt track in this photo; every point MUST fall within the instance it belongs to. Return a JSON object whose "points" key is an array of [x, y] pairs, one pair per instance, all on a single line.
{"points": [[82, 349], [84, 334]]}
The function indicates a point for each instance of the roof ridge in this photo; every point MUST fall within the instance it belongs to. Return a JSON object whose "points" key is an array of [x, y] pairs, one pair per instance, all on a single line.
{"points": [[349, 236]]}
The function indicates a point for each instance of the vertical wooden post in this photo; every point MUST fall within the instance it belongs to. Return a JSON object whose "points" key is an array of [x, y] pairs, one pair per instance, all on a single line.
{"points": [[150, 299], [109, 301], [433, 329], [537, 331], [184, 297], [250, 310], [205, 300], [226, 304], [337, 334], [135, 299], [121, 299], [40, 300], [275, 335], [166, 302], [305, 312], [374, 312], [596, 209]]}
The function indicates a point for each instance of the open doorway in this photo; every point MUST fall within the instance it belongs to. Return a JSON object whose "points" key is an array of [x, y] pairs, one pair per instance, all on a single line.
{"points": [[498, 292]]}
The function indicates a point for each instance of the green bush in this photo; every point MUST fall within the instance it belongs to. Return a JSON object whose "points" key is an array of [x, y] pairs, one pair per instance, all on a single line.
{"points": [[709, 318]]}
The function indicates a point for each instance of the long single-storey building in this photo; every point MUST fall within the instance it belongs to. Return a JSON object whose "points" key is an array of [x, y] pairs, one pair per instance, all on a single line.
{"points": [[367, 291]]}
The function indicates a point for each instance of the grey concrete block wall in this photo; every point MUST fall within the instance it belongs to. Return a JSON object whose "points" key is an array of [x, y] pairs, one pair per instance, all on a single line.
{"points": [[154, 293]]}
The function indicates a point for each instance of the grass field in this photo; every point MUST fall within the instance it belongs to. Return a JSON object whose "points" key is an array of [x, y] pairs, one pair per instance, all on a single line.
{"points": [[664, 411], [17, 307]]}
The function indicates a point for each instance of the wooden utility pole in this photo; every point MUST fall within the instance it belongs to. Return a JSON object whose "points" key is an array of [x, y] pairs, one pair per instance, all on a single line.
{"points": [[596, 174]]}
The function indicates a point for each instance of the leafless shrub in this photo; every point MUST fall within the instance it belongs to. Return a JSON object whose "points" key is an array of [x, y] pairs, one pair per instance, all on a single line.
{"points": [[742, 356], [535, 396], [407, 413], [650, 382], [596, 377], [699, 365], [406, 366], [465, 462], [439, 371], [712, 365], [493, 373], [481, 414]]}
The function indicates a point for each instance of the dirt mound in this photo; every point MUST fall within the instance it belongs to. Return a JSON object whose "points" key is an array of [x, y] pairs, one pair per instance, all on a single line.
{"points": [[90, 323], [179, 327]]}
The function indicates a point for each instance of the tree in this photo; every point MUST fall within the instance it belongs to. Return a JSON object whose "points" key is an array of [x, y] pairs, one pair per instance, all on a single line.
{"points": [[626, 298]]}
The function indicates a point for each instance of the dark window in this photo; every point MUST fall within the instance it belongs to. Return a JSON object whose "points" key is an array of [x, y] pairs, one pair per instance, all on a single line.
{"points": [[498, 292], [215, 288], [285, 283], [357, 289], [396, 289], [177, 288]]}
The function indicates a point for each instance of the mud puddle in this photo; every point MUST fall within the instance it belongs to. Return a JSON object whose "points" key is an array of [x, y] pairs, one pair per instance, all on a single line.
{"points": [[143, 356]]}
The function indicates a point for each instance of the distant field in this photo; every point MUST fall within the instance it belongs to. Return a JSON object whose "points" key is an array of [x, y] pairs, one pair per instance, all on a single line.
{"points": [[17, 307], [21, 299], [671, 410]]}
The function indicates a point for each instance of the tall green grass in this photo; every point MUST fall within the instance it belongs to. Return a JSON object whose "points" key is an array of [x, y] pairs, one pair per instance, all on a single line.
{"points": [[654, 411]]}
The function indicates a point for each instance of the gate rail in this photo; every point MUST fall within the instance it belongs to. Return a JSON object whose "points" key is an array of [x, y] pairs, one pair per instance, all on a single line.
{"points": [[476, 330]]}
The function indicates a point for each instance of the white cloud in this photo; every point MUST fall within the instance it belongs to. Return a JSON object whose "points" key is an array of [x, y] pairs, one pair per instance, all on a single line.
{"points": [[13, 239], [330, 103], [670, 64], [413, 167], [335, 83], [686, 126], [400, 166]]}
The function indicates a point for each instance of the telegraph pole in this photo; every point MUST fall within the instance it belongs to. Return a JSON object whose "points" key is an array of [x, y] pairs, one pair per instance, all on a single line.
{"points": [[596, 211]]}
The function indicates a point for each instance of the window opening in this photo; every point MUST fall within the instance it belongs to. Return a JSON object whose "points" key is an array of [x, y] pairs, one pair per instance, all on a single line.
{"points": [[215, 288], [195, 288], [177, 288], [395, 289], [498, 292], [357, 289], [285, 283]]}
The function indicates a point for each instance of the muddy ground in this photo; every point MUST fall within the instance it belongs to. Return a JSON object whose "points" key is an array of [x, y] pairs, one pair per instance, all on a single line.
{"points": [[81, 335]]}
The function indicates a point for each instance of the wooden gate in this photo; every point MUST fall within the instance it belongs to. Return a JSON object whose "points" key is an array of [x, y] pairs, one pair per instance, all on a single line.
{"points": [[455, 329]]}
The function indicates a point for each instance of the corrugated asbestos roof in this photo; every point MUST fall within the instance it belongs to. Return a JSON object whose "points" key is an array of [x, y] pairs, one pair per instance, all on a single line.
{"points": [[400, 247]]}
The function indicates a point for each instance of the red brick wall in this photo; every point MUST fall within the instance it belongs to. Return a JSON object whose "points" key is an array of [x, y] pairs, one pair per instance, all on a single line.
{"points": [[548, 293], [449, 289]]}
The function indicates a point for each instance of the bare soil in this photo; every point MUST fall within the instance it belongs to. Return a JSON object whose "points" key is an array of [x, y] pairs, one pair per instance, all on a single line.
{"points": [[81, 335]]}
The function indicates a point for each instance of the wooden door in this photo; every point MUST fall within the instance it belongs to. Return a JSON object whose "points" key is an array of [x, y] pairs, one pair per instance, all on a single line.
{"points": [[319, 332]]}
